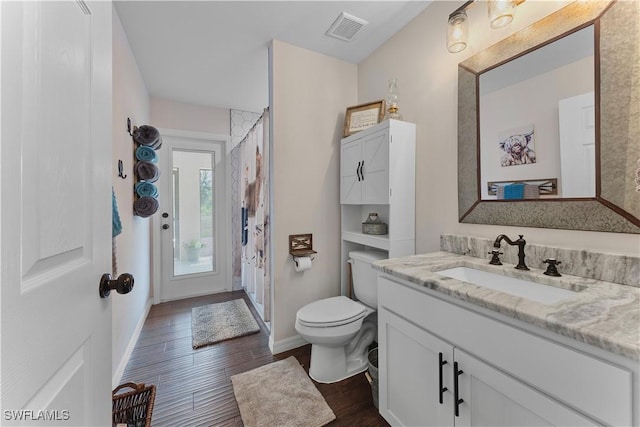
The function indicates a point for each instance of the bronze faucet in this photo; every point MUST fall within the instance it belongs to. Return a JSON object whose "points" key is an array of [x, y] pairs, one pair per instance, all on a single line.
{"points": [[520, 243]]}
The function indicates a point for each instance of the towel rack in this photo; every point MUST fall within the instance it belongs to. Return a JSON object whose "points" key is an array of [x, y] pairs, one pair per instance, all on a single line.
{"points": [[129, 130], [121, 173], [140, 204], [547, 187]]}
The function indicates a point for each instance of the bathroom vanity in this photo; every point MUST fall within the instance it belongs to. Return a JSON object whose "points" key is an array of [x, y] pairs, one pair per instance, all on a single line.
{"points": [[455, 353]]}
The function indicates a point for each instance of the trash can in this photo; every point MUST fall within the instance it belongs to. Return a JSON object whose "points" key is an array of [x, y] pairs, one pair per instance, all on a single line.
{"points": [[373, 372]]}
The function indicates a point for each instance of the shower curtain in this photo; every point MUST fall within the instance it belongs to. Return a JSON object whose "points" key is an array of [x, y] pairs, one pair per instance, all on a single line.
{"points": [[254, 215]]}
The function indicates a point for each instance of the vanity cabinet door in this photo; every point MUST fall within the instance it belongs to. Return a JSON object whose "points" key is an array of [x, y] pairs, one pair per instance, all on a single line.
{"points": [[491, 397], [409, 370]]}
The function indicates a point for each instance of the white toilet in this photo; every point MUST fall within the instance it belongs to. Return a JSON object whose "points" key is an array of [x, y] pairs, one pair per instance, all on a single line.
{"points": [[339, 329]]}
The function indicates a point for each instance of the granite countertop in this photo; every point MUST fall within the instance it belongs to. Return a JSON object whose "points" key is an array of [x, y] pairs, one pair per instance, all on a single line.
{"points": [[602, 314]]}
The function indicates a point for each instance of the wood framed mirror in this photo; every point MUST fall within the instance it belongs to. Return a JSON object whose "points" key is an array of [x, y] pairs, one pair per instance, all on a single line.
{"points": [[612, 202]]}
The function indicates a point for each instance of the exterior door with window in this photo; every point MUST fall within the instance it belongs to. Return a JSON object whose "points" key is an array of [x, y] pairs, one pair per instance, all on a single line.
{"points": [[193, 221]]}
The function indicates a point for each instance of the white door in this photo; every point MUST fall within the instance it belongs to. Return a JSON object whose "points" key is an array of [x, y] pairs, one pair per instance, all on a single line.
{"points": [[577, 146], [55, 233], [194, 228]]}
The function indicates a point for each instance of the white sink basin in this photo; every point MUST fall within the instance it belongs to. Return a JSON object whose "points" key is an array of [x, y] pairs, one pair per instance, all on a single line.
{"points": [[518, 287]]}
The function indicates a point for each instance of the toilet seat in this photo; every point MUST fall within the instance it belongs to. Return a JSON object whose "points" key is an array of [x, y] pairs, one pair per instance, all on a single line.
{"points": [[329, 312]]}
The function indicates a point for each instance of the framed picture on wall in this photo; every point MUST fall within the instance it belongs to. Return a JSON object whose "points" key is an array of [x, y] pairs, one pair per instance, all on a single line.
{"points": [[361, 117]]}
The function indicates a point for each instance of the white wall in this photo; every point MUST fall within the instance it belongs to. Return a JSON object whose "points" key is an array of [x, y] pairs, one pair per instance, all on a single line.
{"points": [[169, 114], [309, 95], [130, 99], [427, 86]]}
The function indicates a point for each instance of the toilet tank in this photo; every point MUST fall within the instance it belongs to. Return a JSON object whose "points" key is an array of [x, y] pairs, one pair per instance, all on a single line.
{"points": [[365, 284]]}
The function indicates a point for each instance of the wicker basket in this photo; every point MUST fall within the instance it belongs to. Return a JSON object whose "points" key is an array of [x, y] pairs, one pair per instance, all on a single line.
{"points": [[133, 408], [374, 225]]}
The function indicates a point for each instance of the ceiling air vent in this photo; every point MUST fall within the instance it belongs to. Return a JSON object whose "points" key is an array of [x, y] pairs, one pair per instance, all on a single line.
{"points": [[346, 27]]}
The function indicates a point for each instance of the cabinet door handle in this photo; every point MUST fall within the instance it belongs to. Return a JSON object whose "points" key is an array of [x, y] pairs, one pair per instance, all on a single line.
{"points": [[456, 400], [358, 171], [441, 389], [362, 171]]}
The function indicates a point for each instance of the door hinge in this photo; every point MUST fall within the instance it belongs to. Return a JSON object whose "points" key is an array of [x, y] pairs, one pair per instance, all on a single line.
{"points": [[389, 192]]}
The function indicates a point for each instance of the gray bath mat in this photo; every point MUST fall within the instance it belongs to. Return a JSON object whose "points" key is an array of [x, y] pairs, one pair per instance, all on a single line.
{"points": [[218, 322], [280, 394]]}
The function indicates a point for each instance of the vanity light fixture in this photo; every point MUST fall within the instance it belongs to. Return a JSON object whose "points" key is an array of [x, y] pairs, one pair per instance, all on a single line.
{"points": [[457, 31], [501, 13]]}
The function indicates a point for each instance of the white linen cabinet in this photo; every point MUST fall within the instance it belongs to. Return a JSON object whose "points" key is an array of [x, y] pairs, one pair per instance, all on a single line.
{"points": [[377, 174]]}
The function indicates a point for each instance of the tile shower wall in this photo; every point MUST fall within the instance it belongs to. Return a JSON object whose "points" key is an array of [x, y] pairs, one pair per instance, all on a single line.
{"points": [[620, 269], [241, 122]]}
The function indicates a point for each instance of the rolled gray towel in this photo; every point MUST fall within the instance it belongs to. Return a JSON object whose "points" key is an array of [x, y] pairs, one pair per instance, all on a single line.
{"points": [[145, 206], [146, 171], [148, 135]]}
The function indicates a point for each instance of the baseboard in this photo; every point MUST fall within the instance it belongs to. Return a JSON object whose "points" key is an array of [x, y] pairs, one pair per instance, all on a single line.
{"points": [[194, 294], [117, 375], [259, 307], [285, 344]]}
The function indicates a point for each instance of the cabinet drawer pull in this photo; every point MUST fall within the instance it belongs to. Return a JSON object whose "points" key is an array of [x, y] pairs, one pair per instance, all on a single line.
{"points": [[441, 389], [456, 400]]}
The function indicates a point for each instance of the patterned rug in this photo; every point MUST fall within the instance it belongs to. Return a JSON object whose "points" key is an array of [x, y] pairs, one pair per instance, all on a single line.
{"points": [[280, 394], [218, 322]]}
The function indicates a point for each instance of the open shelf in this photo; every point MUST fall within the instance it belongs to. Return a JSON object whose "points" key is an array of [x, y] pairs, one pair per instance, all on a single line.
{"points": [[375, 241]]}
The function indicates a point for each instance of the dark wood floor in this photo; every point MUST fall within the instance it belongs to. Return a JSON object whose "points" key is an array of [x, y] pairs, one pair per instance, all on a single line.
{"points": [[194, 386]]}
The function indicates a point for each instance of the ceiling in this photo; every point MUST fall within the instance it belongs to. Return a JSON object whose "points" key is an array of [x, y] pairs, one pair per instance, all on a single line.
{"points": [[215, 53]]}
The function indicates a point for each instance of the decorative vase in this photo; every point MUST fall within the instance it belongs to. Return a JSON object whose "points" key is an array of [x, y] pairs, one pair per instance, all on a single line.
{"points": [[392, 101]]}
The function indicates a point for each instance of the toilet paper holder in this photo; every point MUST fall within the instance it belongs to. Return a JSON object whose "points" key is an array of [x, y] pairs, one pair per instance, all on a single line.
{"points": [[301, 245]]}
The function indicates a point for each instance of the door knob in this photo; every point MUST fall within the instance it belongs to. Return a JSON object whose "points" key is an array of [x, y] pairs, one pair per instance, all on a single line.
{"points": [[165, 226], [123, 284]]}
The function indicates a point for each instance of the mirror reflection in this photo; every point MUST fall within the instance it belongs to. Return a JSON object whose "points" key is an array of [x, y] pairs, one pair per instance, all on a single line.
{"points": [[537, 123]]}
